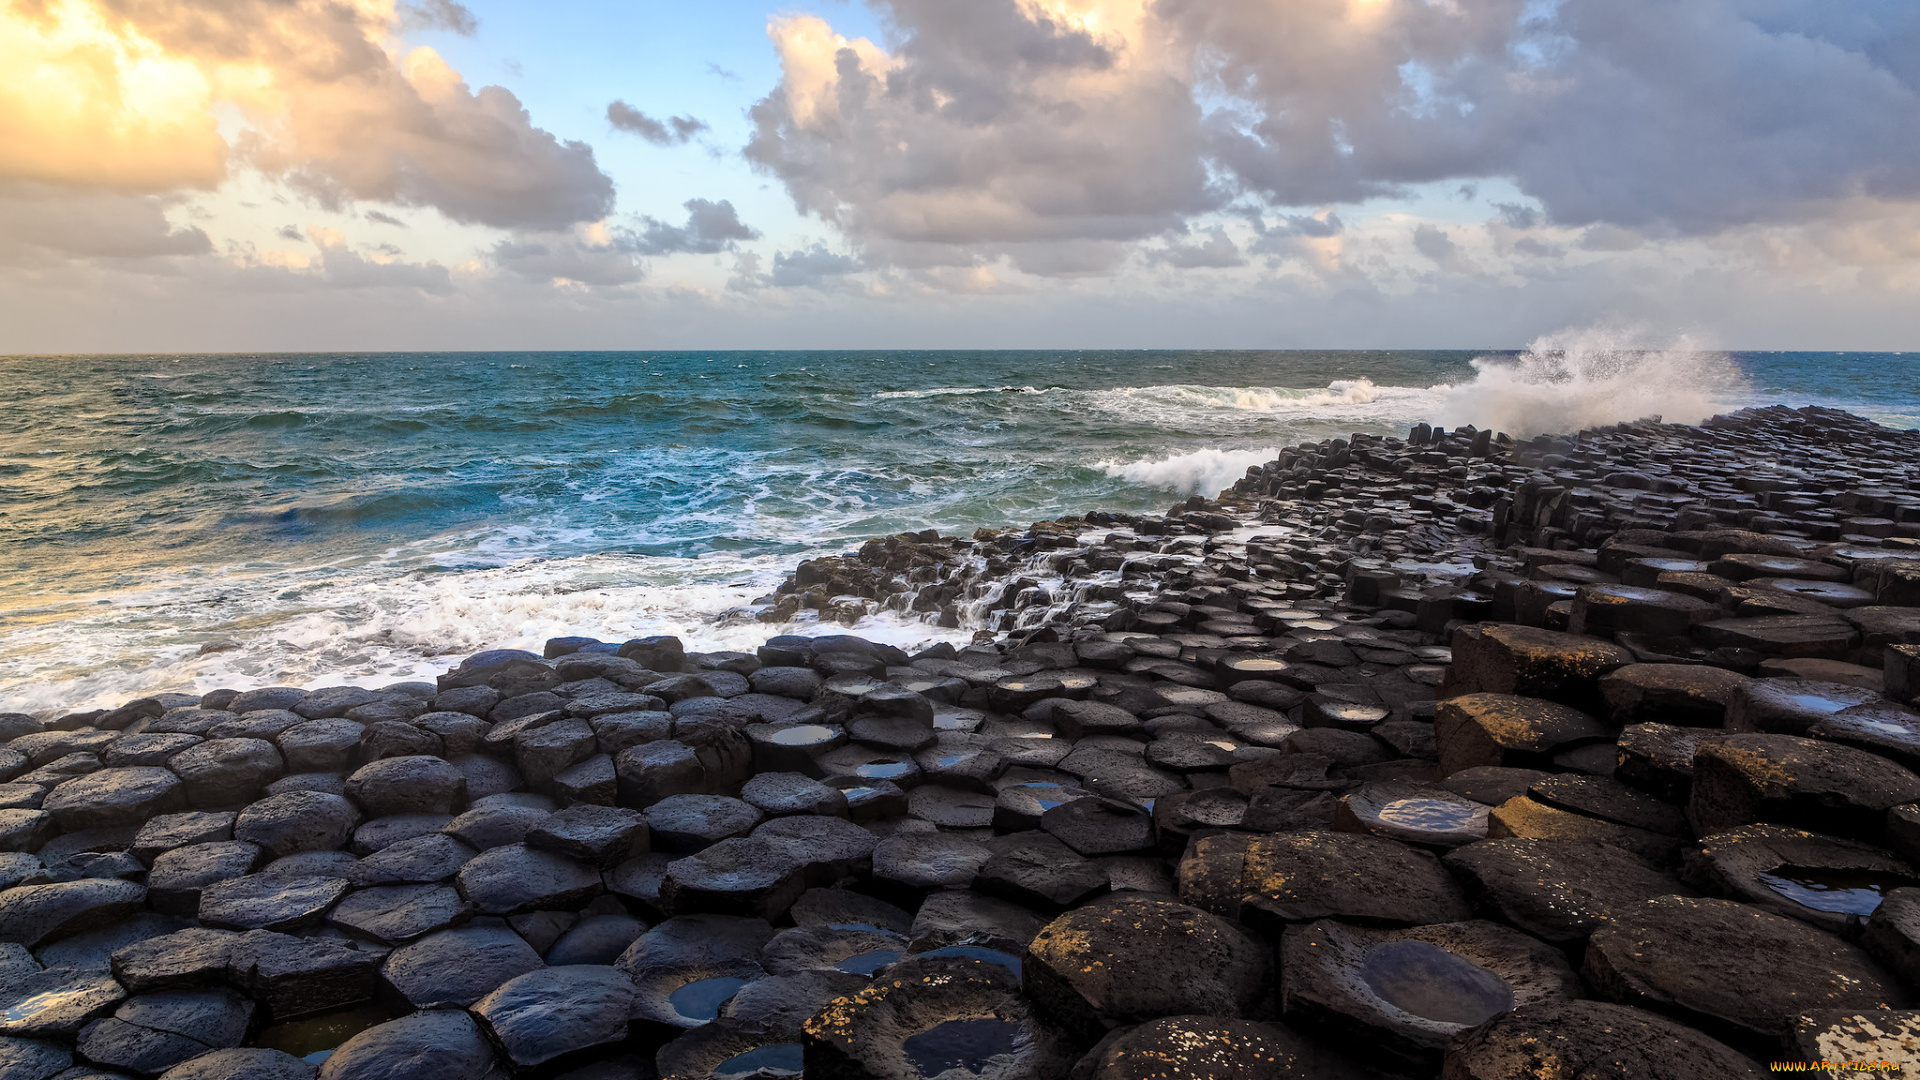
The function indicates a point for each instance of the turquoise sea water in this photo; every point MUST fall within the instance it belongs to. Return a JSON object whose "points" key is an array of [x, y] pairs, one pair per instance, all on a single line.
{"points": [[313, 517]]}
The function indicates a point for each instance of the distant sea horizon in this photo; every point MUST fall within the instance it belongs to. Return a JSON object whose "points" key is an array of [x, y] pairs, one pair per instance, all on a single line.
{"points": [[192, 521]]}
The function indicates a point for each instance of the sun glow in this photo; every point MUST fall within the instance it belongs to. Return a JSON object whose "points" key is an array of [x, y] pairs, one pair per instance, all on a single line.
{"points": [[89, 102]]}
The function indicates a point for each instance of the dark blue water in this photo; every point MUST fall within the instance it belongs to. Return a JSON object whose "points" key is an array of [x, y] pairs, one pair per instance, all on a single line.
{"points": [[321, 516]]}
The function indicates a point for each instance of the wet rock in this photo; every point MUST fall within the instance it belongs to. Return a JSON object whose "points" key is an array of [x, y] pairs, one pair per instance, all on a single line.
{"points": [[744, 876], [553, 1013], [1692, 695], [382, 833], [1130, 959], [169, 831], [1556, 890], [1098, 826], [148, 750], [1591, 1039], [221, 772], [1196, 1047], [154, 1032], [32, 1059], [26, 830], [1535, 819], [35, 914], [1301, 877], [282, 825], [1498, 658], [1730, 968], [597, 939], [396, 738], [856, 950], [243, 1063], [291, 976], [930, 1017], [686, 968], [458, 966], [185, 958], [516, 878], [909, 865], [1514, 732], [407, 785], [92, 950], [1824, 880], [431, 1045], [602, 835], [687, 823], [128, 796], [782, 793], [1609, 800], [396, 914], [1400, 995], [179, 876], [500, 820], [269, 901], [1491, 785], [1412, 813], [1804, 783], [962, 918], [1790, 706], [55, 1003], [429, 858], [1036, 870]]}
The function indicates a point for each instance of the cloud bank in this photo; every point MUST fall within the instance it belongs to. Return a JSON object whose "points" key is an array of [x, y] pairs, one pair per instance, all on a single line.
{"points": [[1052, 132]]}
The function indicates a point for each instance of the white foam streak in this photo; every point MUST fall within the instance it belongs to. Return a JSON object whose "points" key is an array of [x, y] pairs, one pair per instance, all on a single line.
{"points": [[1201, 472], [1591, 377], [957, 391]]}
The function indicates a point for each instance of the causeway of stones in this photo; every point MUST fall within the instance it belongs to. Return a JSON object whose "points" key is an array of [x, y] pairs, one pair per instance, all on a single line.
{"points": [[1448, 756]]}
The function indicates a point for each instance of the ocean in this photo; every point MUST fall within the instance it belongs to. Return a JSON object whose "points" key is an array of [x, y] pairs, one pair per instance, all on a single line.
{"points": [[191, 522]]}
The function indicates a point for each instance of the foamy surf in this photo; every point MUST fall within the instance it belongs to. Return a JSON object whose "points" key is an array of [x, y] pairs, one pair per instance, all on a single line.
{"points": [[373, 631]]}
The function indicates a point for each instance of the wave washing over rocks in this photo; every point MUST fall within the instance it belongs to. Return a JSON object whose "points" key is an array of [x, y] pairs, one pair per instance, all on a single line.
{"points": [[1449, 756]]}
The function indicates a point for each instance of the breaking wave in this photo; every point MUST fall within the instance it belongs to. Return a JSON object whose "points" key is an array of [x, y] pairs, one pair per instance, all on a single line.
{"points": [[1199, 472], [1577, 379]]}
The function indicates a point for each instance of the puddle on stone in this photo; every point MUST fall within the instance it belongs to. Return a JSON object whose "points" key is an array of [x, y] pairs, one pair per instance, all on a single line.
{"points": [[315, 1038], [1429, 815], [26, 1009], [976, 952], [1428, 981], [883, 770], [803, 735], [701, 1000], [950, 760], [1844, 891], [867, 927], [780, 1059], [963, 1044], [867, 963], [1354, 714]]}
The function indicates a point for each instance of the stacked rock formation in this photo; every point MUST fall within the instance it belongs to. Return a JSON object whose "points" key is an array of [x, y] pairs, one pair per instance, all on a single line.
{"points": [[1448, 756]]}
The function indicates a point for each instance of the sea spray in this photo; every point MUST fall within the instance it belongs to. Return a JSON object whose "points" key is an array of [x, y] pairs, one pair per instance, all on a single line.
{"points": [[1200, 472], [1591, 377]]}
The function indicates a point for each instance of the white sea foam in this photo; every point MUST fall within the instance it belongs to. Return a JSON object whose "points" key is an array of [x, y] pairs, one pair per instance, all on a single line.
{"points": [[370, 629], [1203, 472], [1585, 378]]}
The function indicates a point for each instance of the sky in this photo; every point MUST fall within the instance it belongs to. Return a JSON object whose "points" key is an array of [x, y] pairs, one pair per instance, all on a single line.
{"points": [[320, 175]]}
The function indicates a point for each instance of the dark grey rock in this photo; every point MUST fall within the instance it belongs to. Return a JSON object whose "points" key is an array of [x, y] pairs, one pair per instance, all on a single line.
{"points": [[554, 1013], [516, 878], [431, 1045], [35, 914], [222, 772], [297, 821], [407, 785], [458, 966], [269, 902]]}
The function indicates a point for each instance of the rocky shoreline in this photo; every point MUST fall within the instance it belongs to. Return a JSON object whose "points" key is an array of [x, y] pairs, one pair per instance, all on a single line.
{"points": [[1453, 756]]}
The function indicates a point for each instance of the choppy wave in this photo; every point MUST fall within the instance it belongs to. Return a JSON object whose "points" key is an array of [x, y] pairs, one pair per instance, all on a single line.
{"points": [[956, 391]]}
